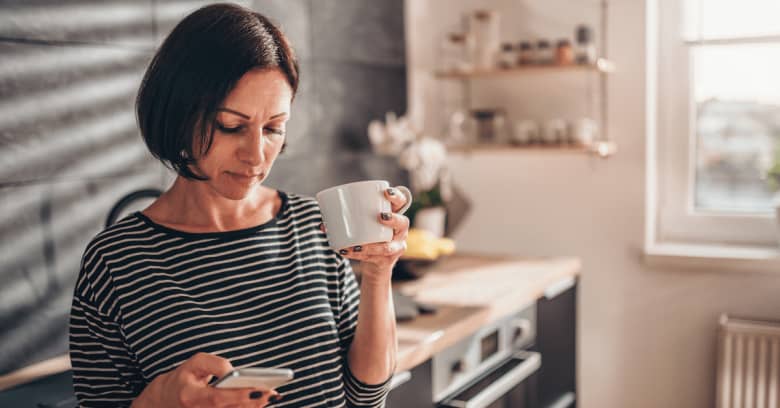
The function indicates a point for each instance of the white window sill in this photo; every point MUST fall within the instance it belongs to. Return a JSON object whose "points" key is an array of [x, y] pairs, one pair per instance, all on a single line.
{"points": [[713, 257]]}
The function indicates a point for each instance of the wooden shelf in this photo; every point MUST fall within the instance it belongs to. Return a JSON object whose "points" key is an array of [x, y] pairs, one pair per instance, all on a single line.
{"points": [[603, 149], [601, 65]]}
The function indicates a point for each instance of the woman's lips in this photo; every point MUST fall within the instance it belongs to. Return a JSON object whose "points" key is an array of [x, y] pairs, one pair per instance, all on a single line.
{"points": [[245, 178]]}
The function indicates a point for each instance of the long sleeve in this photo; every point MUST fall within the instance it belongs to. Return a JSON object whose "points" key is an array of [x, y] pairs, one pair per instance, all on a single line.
{"points": [[104, 373], [358, 394]]}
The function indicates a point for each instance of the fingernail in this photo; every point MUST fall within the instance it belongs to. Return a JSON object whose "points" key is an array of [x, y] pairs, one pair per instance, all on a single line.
{"points": [[255, 395], [343, 251], [385, 216], [391, 191], [276, 398], [357, 248]]}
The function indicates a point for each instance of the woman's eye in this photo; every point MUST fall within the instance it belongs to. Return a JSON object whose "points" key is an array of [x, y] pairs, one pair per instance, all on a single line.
{"points": [[275, 131], [227, 129]]}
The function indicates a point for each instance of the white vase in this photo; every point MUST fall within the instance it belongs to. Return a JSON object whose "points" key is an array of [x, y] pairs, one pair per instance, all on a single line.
{"points": [[431, 219]]}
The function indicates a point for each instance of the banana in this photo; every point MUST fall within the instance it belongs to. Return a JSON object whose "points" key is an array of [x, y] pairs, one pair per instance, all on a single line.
{"points": [[422, 245]]}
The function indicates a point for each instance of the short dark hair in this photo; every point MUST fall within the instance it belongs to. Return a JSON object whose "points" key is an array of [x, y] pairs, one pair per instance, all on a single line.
{"points": [[192, 73]]}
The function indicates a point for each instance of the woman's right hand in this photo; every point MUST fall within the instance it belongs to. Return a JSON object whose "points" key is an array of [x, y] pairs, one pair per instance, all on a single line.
{"points": [[187, 386]]}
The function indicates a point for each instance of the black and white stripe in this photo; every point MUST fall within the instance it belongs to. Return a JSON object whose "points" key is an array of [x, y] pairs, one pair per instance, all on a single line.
{"points": [[275, 295]]}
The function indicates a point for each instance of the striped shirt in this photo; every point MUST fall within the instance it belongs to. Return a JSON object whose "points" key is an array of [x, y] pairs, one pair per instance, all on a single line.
{"points": [[149, 297]]}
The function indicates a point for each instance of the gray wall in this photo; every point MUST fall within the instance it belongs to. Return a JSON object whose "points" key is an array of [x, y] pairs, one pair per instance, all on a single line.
{"points": [[69, 146]]}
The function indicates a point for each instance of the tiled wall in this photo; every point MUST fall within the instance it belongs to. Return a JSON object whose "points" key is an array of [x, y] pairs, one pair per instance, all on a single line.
{"points": [[69, 145]]}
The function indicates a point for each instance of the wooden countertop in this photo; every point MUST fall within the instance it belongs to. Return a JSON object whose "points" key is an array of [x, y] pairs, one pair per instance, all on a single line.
{"points": [[471, 291]]}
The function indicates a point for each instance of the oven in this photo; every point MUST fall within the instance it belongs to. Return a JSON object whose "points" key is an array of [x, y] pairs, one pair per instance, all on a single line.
{"points": [[492, 368]]}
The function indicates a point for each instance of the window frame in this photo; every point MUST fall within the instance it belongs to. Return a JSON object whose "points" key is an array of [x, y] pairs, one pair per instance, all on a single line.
{"points": [[671, 215]]}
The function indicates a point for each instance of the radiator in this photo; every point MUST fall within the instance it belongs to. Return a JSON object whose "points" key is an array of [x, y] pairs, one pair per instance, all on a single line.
{"points": [[748, 364]]}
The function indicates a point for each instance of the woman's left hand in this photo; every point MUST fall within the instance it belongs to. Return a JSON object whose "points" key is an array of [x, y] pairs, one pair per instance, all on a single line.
{"points": [[377, 260]]}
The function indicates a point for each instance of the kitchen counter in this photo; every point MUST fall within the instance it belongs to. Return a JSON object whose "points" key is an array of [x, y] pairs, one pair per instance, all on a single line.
{"points": [[471, 291]]}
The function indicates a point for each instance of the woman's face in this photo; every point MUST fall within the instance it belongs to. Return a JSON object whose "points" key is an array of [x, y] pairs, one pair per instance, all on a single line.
{"points": [[248, 134]]}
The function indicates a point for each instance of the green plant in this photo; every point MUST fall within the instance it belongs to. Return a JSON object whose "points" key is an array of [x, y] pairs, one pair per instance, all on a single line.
{"points": [[773, 174], [425, 199]]}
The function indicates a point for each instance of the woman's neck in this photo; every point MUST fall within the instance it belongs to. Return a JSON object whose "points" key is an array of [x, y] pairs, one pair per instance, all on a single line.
{"points": [[194, 205]]}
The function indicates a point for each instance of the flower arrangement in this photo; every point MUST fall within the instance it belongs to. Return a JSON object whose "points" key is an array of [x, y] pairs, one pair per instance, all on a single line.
{"points": [[423, 157]]}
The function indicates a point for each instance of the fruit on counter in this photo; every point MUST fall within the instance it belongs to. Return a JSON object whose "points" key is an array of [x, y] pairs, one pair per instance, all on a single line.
{"points": [[422, 244]]}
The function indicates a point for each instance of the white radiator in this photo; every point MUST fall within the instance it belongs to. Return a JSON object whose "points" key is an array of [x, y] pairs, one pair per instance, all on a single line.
{"points": [[748, 364]]}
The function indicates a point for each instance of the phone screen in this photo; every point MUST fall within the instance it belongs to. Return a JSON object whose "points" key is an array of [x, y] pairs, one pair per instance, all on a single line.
{"points": [[265, 379]]}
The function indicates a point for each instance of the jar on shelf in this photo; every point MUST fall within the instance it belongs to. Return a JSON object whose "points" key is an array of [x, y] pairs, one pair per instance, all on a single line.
{"points": [[484, 25], [488, 126], [508, 57], [564, 52], [555, 131], [544, 53], [456, 52], [525, 53], [525, 132], [585, 50], [584, 131]]}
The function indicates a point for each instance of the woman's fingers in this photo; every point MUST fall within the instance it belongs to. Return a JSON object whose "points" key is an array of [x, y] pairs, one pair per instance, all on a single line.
{"points": [[379, 249], [396, 198], [204, 365], [399, 223]]}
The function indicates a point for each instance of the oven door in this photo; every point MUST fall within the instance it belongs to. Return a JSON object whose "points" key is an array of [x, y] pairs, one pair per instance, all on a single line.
{"points": [[510, 384]]}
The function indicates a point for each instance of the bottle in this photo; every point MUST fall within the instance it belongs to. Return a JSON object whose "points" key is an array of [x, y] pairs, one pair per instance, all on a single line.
{"points": [[507, 58], [564, 53], [456, 52], [484, 25], [585, 52], [525, 55], [544, 53]]}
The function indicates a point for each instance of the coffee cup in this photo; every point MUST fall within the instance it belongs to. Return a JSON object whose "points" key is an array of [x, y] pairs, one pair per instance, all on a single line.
{"points": [[526, 131], [351, 211], [555, 131], [584, 131]]}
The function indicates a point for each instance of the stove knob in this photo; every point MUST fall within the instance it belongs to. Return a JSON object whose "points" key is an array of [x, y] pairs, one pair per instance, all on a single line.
{"points": [[518, 334], [521, 331], [458, 367]]}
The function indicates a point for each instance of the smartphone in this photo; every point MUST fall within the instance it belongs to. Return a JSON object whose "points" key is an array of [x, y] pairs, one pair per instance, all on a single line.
{"points": [[265, 379]]}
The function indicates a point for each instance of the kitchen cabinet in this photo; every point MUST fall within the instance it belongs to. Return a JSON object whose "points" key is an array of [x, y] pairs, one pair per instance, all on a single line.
{"points": [[556, 325], [414, 390]]}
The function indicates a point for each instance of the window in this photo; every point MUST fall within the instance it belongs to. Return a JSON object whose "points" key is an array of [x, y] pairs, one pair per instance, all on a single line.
{"points": [[718, 120]]}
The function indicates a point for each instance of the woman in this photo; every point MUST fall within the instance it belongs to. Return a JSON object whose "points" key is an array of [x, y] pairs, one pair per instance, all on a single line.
{"points": [[221, 271]]}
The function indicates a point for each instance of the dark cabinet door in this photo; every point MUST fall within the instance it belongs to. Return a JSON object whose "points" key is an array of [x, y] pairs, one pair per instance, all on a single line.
{"points": [[556, 322], [417, 392]]}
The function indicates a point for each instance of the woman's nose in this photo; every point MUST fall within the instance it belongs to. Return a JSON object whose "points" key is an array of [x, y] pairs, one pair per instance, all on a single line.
{"points": [[253, 149]]}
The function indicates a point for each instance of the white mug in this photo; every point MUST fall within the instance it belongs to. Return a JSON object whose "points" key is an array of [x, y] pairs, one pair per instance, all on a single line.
{"points": [[526, 131], [584, 131], [351, 211], [554, 131]]}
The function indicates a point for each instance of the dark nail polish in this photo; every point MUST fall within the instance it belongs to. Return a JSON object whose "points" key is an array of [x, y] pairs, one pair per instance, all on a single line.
{"points": [[275, 398], [343, 251], [255, 395], [391, 191], [357, 248], [386, 216]]}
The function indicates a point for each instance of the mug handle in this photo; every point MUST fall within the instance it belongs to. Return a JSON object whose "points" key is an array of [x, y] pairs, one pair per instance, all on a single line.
{"points": [[405, 191]]}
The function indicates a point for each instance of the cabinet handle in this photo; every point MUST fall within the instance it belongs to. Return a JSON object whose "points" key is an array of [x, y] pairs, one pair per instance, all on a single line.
{"points": [[500, 386]]}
